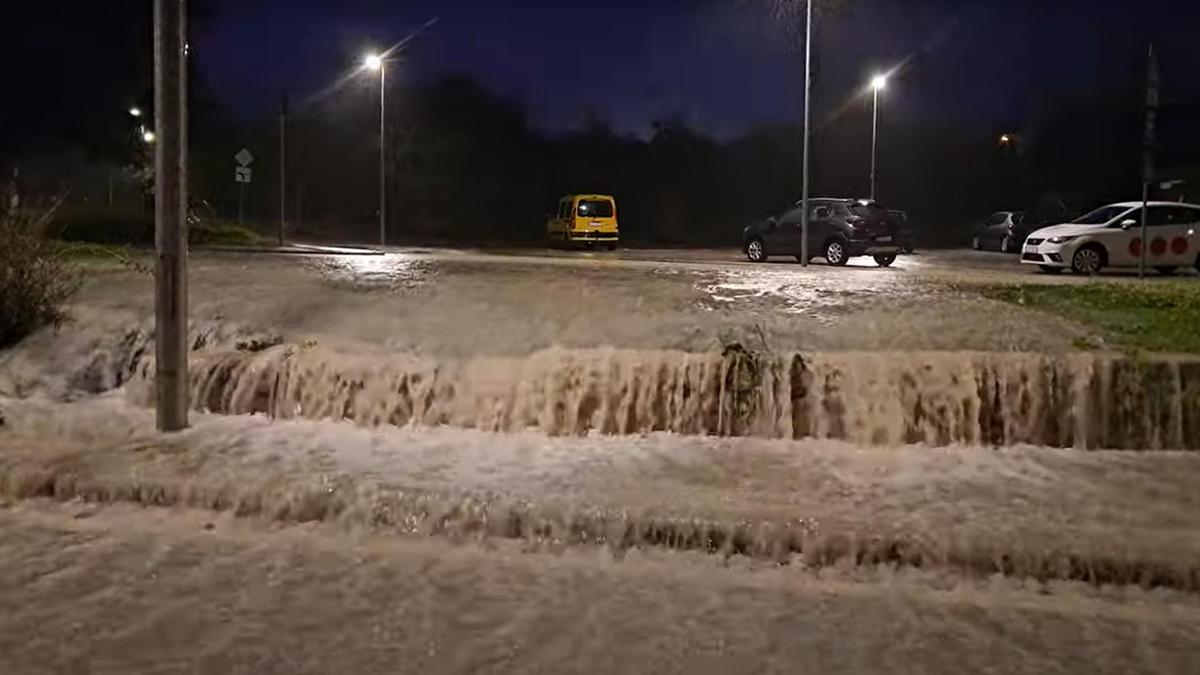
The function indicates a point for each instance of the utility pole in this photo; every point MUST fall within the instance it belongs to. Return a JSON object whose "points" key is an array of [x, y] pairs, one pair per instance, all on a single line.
{"points": [[283, 109], [807, 117], [170, 214]]}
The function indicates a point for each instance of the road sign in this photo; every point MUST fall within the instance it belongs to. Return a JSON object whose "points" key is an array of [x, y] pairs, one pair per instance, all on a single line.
{"points": [[244, 158], [241, 174]]}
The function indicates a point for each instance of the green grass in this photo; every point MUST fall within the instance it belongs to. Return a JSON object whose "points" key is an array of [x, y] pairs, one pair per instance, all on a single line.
{"points": [[1156, 316], [221, 233]]}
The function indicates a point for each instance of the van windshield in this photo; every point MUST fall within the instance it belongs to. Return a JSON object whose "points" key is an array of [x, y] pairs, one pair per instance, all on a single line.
{"points": [[595, 208]]}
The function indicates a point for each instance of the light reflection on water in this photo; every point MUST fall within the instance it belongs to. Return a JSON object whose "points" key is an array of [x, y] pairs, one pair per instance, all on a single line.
{"points": [[391, 270], [817, 290]]}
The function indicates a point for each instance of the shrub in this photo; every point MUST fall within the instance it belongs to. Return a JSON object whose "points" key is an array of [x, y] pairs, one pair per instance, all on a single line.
{"points": [[34, 281], [105, 227]]}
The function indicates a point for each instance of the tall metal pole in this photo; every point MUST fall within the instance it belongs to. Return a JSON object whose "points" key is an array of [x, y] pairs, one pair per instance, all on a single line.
{"points": [[874, 141], [1145, 243], [382, 154], [807, 116], [282, 165], [170, 214]]}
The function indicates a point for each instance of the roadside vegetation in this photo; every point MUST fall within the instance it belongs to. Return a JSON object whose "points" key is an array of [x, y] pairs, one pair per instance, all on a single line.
{"points": [[1158, 316], [120, 229], [35, 280]]}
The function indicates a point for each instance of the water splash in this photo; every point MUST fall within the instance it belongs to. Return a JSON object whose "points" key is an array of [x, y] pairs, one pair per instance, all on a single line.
{"points": [[878, 398]]}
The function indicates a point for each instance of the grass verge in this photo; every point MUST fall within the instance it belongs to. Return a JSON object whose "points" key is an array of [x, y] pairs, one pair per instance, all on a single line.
{"points": [[1163, 317]]}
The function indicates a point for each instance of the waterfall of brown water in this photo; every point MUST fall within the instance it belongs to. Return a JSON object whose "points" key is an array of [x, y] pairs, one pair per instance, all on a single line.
{"points": [[883, 398]]}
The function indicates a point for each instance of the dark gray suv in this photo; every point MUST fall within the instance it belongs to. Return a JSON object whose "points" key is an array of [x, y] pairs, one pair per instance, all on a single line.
{"points": [[838, 229]]}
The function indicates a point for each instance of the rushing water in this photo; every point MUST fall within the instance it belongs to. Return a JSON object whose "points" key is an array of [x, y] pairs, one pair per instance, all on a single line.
{"points": [[872, 398]]}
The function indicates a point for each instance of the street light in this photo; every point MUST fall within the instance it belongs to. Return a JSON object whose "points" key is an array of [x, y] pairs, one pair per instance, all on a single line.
{"points": [[878, 84], [148, 136], [376, 62], [135, 111]]}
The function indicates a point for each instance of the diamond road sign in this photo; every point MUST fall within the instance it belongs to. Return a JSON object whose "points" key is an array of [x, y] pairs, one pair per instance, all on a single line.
{"points": [[244, 157]]}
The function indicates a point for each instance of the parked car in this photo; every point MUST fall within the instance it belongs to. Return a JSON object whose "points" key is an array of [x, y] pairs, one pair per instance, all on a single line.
{"points": [[1111, 236], [1002, 231], [838, 229]]}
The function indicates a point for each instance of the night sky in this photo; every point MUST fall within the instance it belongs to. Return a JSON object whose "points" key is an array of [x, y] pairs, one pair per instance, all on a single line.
{"points": [[721, 64]]}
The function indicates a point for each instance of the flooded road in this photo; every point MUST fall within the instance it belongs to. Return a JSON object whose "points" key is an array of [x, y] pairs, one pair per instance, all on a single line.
{"points": [[572, 462], [123, 590], [451, 303]]}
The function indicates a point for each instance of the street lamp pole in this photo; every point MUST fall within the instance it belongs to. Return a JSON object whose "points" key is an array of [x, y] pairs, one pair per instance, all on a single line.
{"points": [[378, 62], [382, 153], [877, 85], [807, 118]]}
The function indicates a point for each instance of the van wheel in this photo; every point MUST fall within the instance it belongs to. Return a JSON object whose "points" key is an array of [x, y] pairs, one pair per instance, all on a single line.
{"points": [[756, 250], [885, 260], [835, 252], [612, 246]]}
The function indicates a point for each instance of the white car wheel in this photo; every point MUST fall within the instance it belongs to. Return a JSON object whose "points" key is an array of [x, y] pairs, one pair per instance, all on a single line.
{"points": [[1087, 260]]}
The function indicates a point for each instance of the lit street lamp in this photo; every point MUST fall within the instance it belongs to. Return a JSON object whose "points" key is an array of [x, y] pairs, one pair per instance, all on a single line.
{"points": [[135, 111], [148, 136], [878, 84], [376, 62]]}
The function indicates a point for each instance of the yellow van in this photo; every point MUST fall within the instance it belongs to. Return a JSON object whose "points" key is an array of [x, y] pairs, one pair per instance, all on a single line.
{"points": [[590, 219]]}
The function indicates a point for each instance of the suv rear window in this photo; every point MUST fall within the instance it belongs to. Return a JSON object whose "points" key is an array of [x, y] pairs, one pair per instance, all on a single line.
{"points": [[868, 211], [595, 208]]}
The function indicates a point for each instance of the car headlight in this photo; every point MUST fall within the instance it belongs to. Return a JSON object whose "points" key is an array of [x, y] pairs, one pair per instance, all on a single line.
{"points": [[1061, 240]]}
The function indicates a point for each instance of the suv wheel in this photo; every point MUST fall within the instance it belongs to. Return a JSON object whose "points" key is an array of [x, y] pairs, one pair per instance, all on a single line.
{"points": [[975, 243], [1089, 259], [885, 260], [756, 250], [835, 252], [1006, 244]]}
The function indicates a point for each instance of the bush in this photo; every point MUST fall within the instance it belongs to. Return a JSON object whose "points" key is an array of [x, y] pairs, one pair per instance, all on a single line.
{"points": [[105, 227], [126, 229], [34, 281]]}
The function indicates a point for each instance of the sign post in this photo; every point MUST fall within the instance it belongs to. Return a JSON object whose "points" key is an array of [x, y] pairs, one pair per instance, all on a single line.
{"points": [[241, 176]]}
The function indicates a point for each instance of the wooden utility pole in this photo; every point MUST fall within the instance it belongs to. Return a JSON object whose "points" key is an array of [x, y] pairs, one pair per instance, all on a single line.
{"points": [[170, 213]]}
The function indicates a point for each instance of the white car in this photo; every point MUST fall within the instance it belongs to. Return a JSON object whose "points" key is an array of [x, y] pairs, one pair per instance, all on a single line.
{"points": [[1111, 236]]}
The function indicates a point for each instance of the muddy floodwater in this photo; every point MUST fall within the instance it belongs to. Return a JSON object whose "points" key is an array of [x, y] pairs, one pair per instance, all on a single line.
{"points": [[457, 462]]}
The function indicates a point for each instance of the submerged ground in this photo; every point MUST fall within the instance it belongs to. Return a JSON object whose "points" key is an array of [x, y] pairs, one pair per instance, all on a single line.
{"points": [[652, 502]]}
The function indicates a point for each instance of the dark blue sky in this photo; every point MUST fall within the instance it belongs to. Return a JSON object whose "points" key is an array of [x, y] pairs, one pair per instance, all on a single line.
{"points": [[720, 63]]}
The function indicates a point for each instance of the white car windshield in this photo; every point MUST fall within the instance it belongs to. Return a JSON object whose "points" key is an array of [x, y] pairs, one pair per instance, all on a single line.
{"points": [[1101, 215]]}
